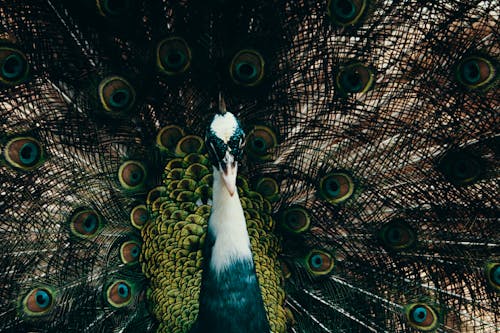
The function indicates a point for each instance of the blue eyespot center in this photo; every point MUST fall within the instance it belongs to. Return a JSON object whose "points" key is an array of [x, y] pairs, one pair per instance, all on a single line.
{"points": [[123, 290], [116, 7], [351, 81], [293, 221], [135, 251], [419, 314], [120, 98], [496, 275], [344, 8], [471, 71], [394, 235], [466, 168], [42, 299], [175, 59], [12, 67], [259, 144], [135, 177], [90, 223], [246, 71], [28, 153], [317, 261], [333, 187]]}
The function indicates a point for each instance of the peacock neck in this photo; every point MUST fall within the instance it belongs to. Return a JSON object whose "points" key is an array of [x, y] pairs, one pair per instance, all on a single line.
{"points": [[230, 297], [228, 226]]}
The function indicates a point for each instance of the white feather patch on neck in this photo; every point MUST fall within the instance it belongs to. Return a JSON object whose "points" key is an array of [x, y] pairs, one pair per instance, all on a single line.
{"points": [[224, 126], [227, 224]]}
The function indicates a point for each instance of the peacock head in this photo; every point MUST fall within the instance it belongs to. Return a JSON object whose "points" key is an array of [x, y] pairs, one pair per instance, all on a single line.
{"points": [[225, 140]]}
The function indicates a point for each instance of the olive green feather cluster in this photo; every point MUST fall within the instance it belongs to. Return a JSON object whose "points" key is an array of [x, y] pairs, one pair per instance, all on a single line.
{"points": [[173, 239]]}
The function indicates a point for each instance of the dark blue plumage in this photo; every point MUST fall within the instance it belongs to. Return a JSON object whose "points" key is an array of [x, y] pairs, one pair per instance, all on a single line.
{"points": [[230, 300]]}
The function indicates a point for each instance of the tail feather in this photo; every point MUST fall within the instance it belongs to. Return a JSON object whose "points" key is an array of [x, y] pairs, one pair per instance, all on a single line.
{"points": [[375, 140]]}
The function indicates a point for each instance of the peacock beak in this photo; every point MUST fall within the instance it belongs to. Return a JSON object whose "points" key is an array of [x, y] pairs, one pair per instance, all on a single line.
{"points": [[229, 170], [229, 176]]}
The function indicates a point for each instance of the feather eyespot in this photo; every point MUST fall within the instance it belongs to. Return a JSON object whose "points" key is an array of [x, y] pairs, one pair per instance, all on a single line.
{"points": [[460, 167], [295, 220], [119, 294], [38, 302], [14, 67], [132, 175], [261, 141], [422, 317], [336, 187], [129, 252], [169, 136], [397, 235], [493, 275], [355, 78], [346, 12], [189, 144], [268, 188], [115, 8], [475, 72], [320, 262], [85, 223], [247, 68], [173, 56], [24, 153], [116, 94], [139, 216]]}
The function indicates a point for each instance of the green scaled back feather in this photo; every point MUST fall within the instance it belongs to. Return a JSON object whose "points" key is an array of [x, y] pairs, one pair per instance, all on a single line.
{"points": [[369, 183]]}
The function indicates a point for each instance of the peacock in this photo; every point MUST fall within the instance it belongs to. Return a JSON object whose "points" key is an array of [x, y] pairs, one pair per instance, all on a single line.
{"points": [[249, 166]]}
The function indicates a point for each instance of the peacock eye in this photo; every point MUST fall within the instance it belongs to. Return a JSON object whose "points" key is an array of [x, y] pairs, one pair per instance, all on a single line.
{"points": [[85, 223], [260, 142], [188, 145], [268, 188], [421, 316], [38, 302], [319, 262], [139, 216], [295, 220], [247, 68], [346, 12], [116, 8], [116, 94], [119, 294], [397, 235], [475, 72], [493, 275], [169, 136], [336, 187], [461, 168], [24, 153], [129, 252], [14, 67], [132, 175], [355, 78], [173, 56]]}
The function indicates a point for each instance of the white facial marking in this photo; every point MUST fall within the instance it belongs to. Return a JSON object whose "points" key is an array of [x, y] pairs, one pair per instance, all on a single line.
{"points": [[229, 158], [224, 126]]}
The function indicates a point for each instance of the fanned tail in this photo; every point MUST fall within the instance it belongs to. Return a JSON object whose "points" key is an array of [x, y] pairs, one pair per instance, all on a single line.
{"points": [[372, 139]]}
